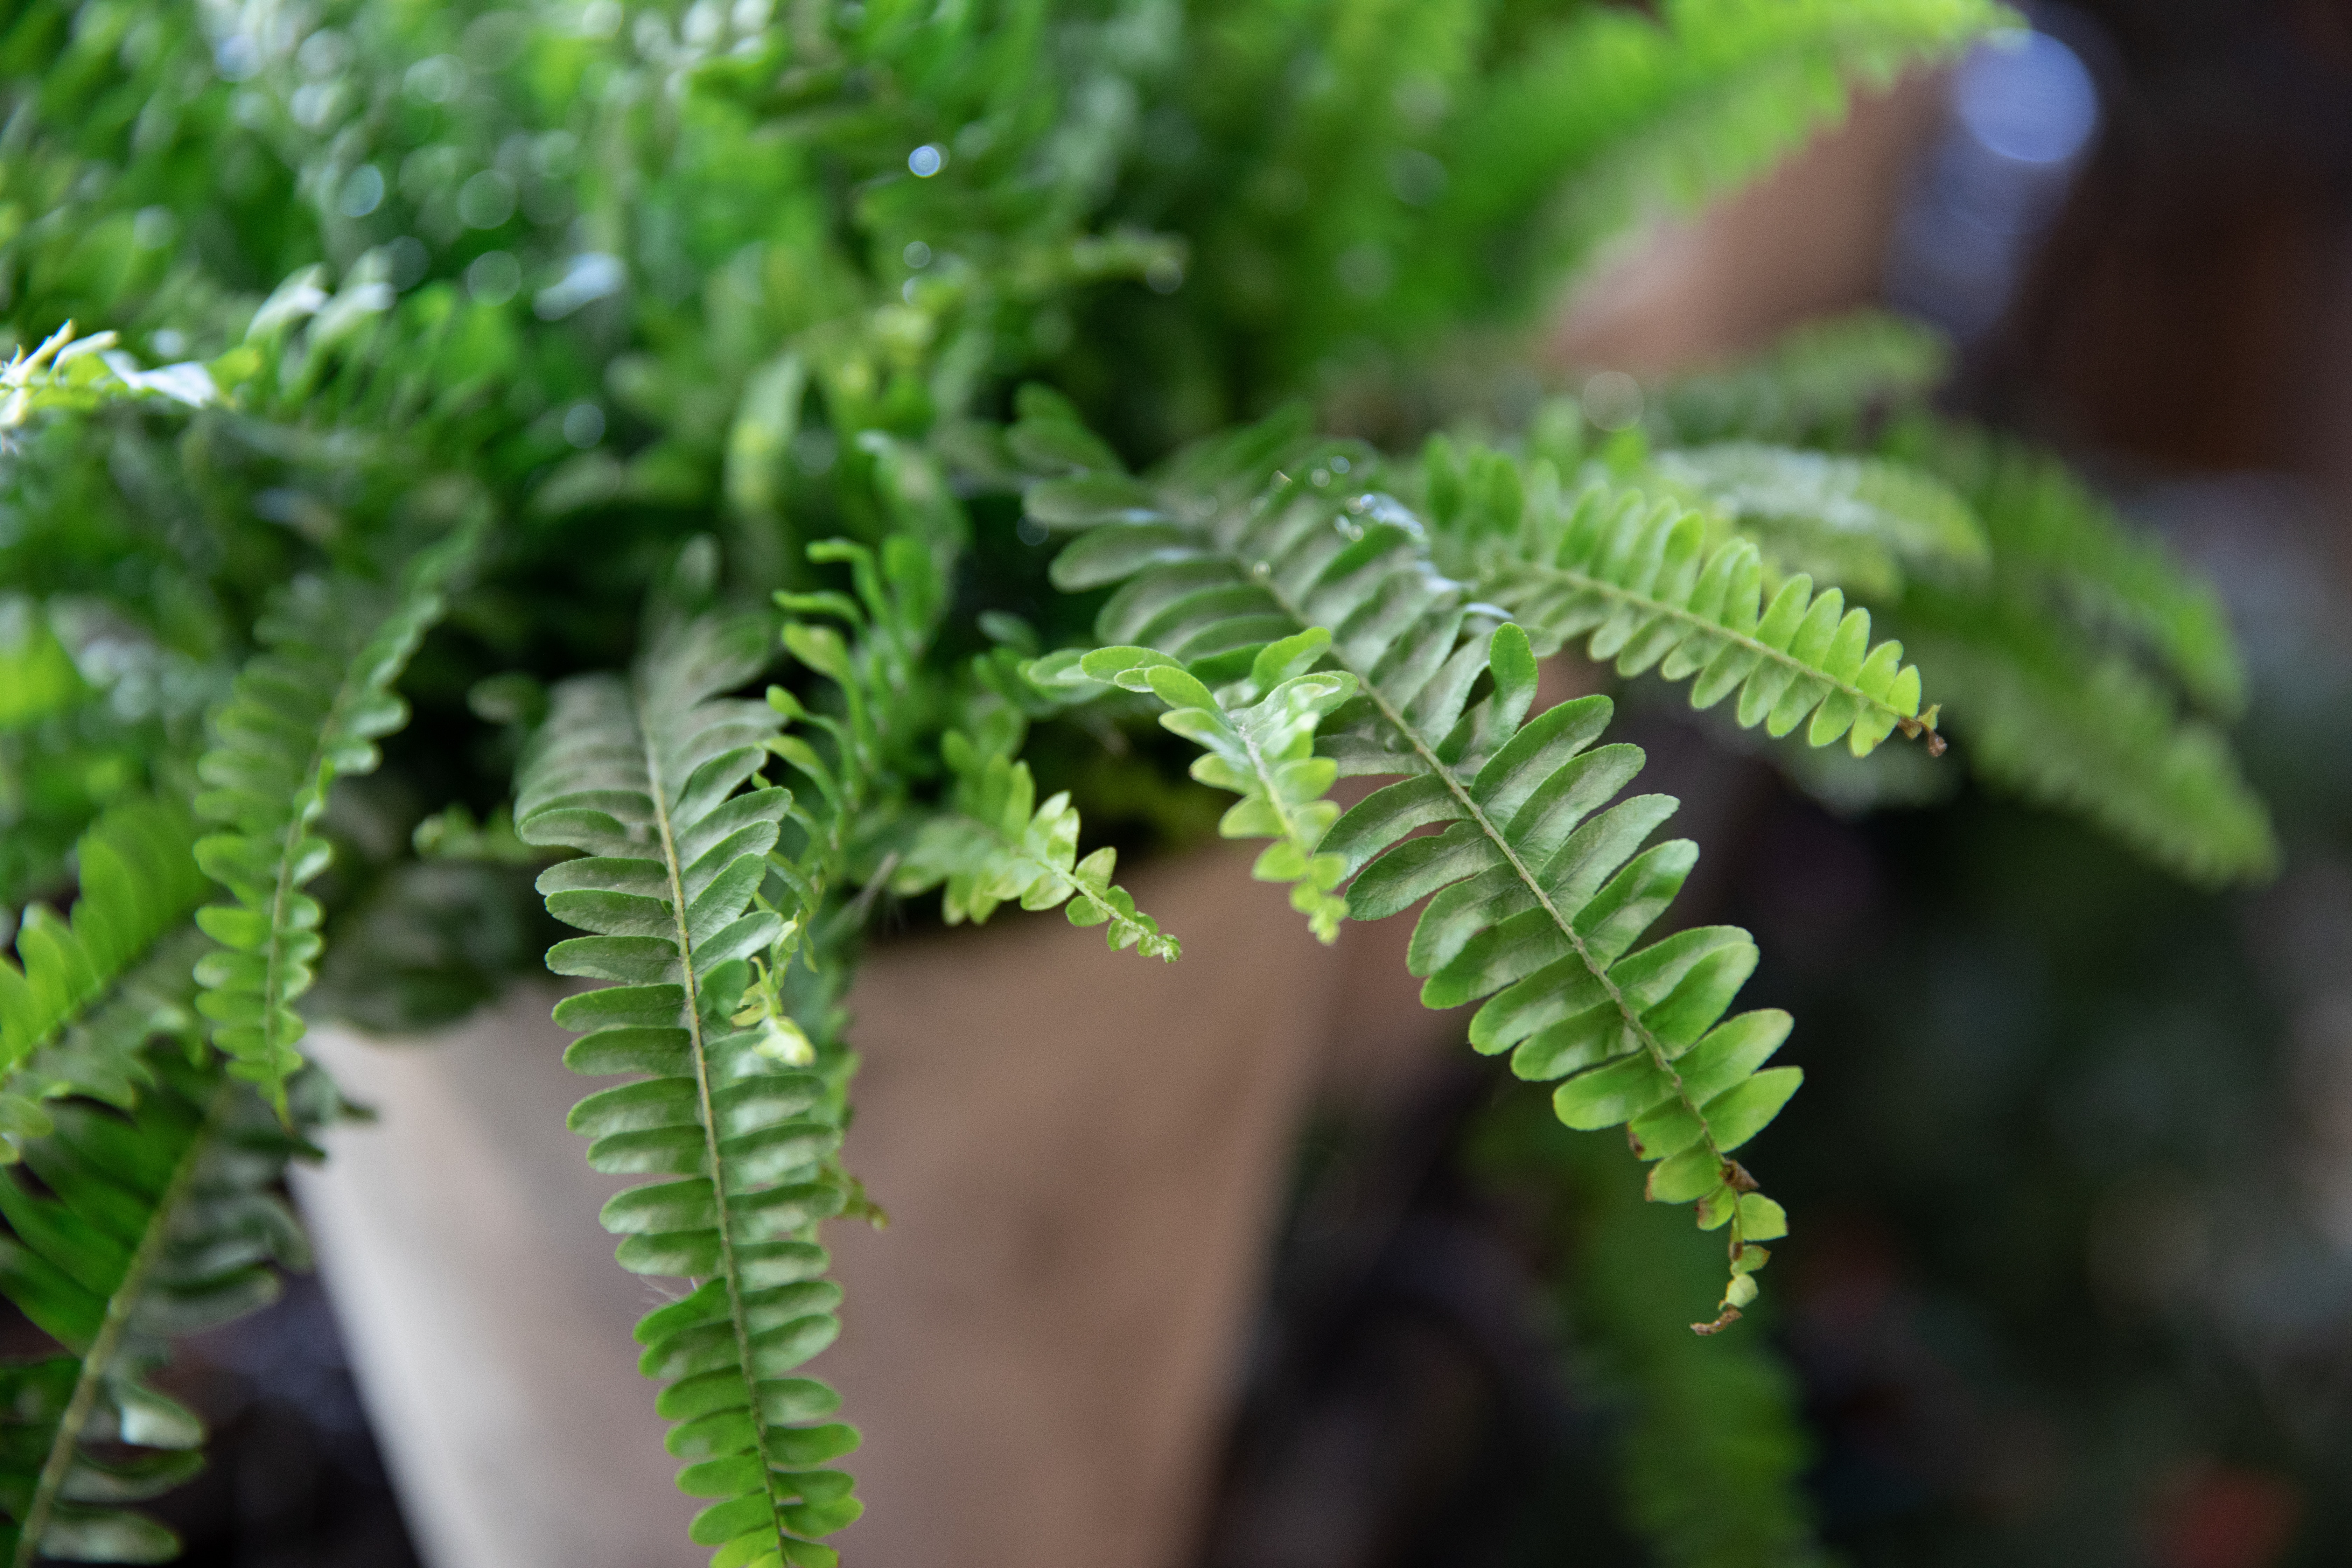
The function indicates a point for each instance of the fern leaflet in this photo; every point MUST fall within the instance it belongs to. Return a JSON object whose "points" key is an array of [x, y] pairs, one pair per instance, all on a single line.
{"points": [[305, 713], [643, 777], [160, 1224], [1536, 894]]}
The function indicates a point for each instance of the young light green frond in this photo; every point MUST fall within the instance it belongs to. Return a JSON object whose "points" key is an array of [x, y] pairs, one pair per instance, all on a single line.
{"points": [[1638, 581], [646, 777], [2057, 721], [1859, 522], [162, 1223], [305, 711], [101, 1055], [993, 848], [2051, 535], [1261, 746], [1536, 894], [138, 884]]}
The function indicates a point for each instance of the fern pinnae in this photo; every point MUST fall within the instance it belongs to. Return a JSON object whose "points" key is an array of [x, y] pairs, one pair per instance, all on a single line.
{"points": [[1533, 902], [1637, 579], [303, 713], [139, 883], [645, 777]]}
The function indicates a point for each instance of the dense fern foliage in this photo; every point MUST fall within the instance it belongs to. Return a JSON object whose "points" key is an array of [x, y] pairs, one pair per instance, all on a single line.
{"points": [[384, 379]]}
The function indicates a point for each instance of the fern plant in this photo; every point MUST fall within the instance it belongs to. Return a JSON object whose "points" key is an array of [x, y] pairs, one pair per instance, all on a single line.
{"points": [[620, 447]]}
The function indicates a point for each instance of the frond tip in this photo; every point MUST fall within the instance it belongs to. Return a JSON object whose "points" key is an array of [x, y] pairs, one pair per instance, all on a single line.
{"points": [[1638, 579]]}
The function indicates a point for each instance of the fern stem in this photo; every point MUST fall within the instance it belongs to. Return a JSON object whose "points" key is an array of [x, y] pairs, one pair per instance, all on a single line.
{"points": [[109, 1339], [660, 794], [1912, 727]]}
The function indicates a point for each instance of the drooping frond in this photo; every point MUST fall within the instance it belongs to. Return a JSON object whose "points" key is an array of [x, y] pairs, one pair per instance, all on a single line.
{"points": [[1641, 583], [645, 776], [1536, 895], [159, 1223], [1860, 522], [2052, 716], [306, 712], [1262, 748], [138, 884]]}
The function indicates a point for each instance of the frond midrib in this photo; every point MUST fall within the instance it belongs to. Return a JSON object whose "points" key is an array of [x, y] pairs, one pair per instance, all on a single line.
{"points": [[731, 1272], [120, 1305]]}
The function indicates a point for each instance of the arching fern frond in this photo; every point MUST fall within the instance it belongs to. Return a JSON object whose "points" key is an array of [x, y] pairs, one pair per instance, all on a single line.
{"points": [[1536, 894], [645, 776], [304, 712], [1861, 522], [139, 883], [163, 1224], [1639, 582]]}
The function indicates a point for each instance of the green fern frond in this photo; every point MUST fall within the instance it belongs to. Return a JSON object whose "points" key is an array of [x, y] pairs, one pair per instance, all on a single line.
{"points": [[1638, 581], [995, 848], [2054, 719], [645, 777], [1860, 522], [1262, 748], [306, 712], [139, 883], [1536, 894], [162, 1224]]}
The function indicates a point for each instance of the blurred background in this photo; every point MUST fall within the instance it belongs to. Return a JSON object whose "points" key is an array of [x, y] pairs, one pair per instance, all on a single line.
{"points": [[2075, 1280]]}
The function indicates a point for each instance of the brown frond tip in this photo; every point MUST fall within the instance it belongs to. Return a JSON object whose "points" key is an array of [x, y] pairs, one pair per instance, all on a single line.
{"points": [[1925, 725], [1730, 1315]]}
